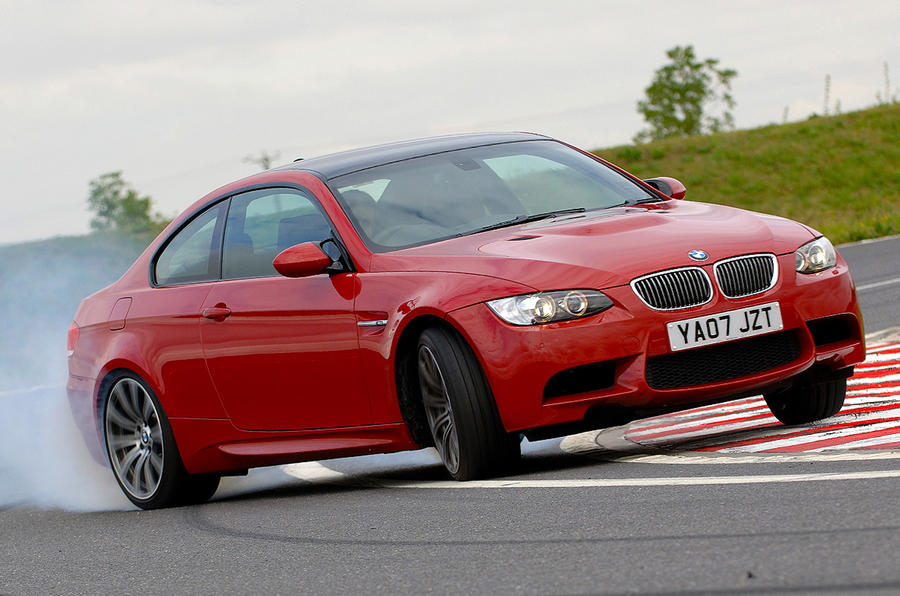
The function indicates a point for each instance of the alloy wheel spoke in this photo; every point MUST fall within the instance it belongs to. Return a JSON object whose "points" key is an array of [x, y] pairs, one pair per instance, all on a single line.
{"points": [[428, 374], [135, 400], [118, 442], [449, 447], [438, 410], [118, 418], [136, 468], [129, 458], [146, 469], [147, 411], [436, 400], [443, 420], [123, 401], [137, 459]]}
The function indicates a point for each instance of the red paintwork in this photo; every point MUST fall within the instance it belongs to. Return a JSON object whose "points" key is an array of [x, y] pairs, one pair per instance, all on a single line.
{"points": [[275, 361], [301, 260], [287, 374], [678, 189]]}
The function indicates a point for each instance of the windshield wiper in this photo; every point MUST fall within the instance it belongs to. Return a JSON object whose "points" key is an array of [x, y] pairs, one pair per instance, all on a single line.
{"points": [[520, 219], [645, 200]]}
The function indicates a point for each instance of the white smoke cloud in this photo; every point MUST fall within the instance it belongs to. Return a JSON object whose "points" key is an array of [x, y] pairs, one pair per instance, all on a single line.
{"points": [[43, 459]]}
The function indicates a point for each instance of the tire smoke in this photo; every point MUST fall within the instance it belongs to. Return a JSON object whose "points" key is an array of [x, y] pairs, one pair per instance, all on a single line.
{"points": [[43, 460]]}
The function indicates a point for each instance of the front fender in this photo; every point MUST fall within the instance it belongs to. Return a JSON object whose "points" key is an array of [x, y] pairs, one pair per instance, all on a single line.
{"points": [[404, 300]]}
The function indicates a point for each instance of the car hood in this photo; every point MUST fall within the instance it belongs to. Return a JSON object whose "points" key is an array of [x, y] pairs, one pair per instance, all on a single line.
{"points": [[606, 248]]}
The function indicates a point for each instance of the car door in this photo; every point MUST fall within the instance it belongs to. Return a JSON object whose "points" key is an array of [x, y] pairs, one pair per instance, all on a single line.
{"points": [[165, 320], [283, 352]]}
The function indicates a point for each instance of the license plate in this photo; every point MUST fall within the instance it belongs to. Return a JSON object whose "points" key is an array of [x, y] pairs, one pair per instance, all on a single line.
{"points": [[724, 326]]}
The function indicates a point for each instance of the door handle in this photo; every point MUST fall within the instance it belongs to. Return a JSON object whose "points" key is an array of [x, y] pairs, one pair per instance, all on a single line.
{"points": [[216, 313]]}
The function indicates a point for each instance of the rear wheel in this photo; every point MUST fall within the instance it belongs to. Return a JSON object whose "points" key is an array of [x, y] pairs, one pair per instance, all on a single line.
{"points": [[460, 409], [142, 450], [808, 402]]}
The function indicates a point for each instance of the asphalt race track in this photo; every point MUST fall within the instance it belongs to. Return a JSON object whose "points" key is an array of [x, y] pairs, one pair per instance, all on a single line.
{"points": [[713, 500]]}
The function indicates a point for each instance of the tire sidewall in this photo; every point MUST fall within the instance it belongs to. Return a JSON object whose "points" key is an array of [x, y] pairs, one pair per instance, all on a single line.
{"points": [[485, 449]]}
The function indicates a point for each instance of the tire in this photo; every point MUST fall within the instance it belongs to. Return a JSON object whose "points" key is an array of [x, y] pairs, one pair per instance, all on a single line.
{"points": [[142, 451], [460, 409], [198, 488], [808, 402]]}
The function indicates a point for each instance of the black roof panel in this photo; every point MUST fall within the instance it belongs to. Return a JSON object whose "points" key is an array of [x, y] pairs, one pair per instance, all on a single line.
{"points": [[345, 162]]}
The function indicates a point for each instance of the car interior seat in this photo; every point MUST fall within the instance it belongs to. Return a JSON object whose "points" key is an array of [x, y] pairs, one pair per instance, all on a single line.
{"points": [[309, 227], [239, 258]]}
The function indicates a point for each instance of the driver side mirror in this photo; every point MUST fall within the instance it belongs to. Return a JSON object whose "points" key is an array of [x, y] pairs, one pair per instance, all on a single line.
{"points": [[668, 186], [301, 260]]}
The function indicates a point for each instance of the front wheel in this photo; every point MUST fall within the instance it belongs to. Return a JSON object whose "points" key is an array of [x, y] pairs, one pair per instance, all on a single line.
{"points": [[808, 402], [142, 450], [460, 409]]}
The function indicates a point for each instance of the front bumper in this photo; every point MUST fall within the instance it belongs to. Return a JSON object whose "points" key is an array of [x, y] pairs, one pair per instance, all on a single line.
{"points": [[613, 349]]}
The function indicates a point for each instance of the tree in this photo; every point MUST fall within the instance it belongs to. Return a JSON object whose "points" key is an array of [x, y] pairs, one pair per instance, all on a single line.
{"points": [[119, 207], [264, 159], [683, 96]]}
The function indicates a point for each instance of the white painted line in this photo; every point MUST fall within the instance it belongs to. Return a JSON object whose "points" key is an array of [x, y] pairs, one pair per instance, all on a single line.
{"points": [[698, 414], [878, 284], [873, 380], [866, 400], [814, 438], [638, 431], [883, 335], [714, 424], [871, 390], [761, 458], [851, 410], [780, 436], [765, 431], [597, 441], [863, 443], [703, 432], [867, 369], [670, 481], [877, 351]]}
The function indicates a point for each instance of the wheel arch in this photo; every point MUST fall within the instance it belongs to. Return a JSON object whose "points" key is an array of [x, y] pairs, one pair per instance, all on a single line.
{"points": [[406, 375], [105, 380]]}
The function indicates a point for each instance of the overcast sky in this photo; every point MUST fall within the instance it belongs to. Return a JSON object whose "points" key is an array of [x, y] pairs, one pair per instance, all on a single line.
{"points": [[177, 94]]}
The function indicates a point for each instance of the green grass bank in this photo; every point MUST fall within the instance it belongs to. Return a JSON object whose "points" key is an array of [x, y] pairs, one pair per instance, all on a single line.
{"points": [[839, 174]]}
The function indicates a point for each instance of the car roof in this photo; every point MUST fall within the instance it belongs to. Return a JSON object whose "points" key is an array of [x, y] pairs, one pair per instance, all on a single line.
{"points": [[345, 162]]}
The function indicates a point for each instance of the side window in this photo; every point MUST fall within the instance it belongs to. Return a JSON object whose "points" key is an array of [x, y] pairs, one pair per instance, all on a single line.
{"points": [[192, 255], [261, 224]]}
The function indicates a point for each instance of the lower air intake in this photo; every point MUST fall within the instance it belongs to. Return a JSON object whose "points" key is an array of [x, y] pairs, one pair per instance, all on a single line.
{"points": [[723, 362]]}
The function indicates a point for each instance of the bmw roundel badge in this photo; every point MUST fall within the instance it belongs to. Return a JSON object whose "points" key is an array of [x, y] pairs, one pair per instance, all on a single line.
{"points": [[698, 255]]}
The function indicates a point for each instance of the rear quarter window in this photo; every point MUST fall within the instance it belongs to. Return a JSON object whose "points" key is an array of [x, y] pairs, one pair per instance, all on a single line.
{"points": [[192, 254]]}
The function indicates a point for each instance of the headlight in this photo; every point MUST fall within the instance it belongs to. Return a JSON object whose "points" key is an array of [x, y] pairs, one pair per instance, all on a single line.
{"points": [[815, 256], [550, 307]]}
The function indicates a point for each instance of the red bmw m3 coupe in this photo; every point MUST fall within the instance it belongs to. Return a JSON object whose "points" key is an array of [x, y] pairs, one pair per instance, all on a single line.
{"points": [[456, 292]]}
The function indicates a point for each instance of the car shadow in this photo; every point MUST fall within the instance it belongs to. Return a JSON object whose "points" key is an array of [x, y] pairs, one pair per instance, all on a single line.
{"points": [[356, 474]]}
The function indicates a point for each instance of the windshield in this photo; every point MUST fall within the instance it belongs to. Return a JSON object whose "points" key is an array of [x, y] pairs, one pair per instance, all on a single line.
{"points": [[426, 199]]}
